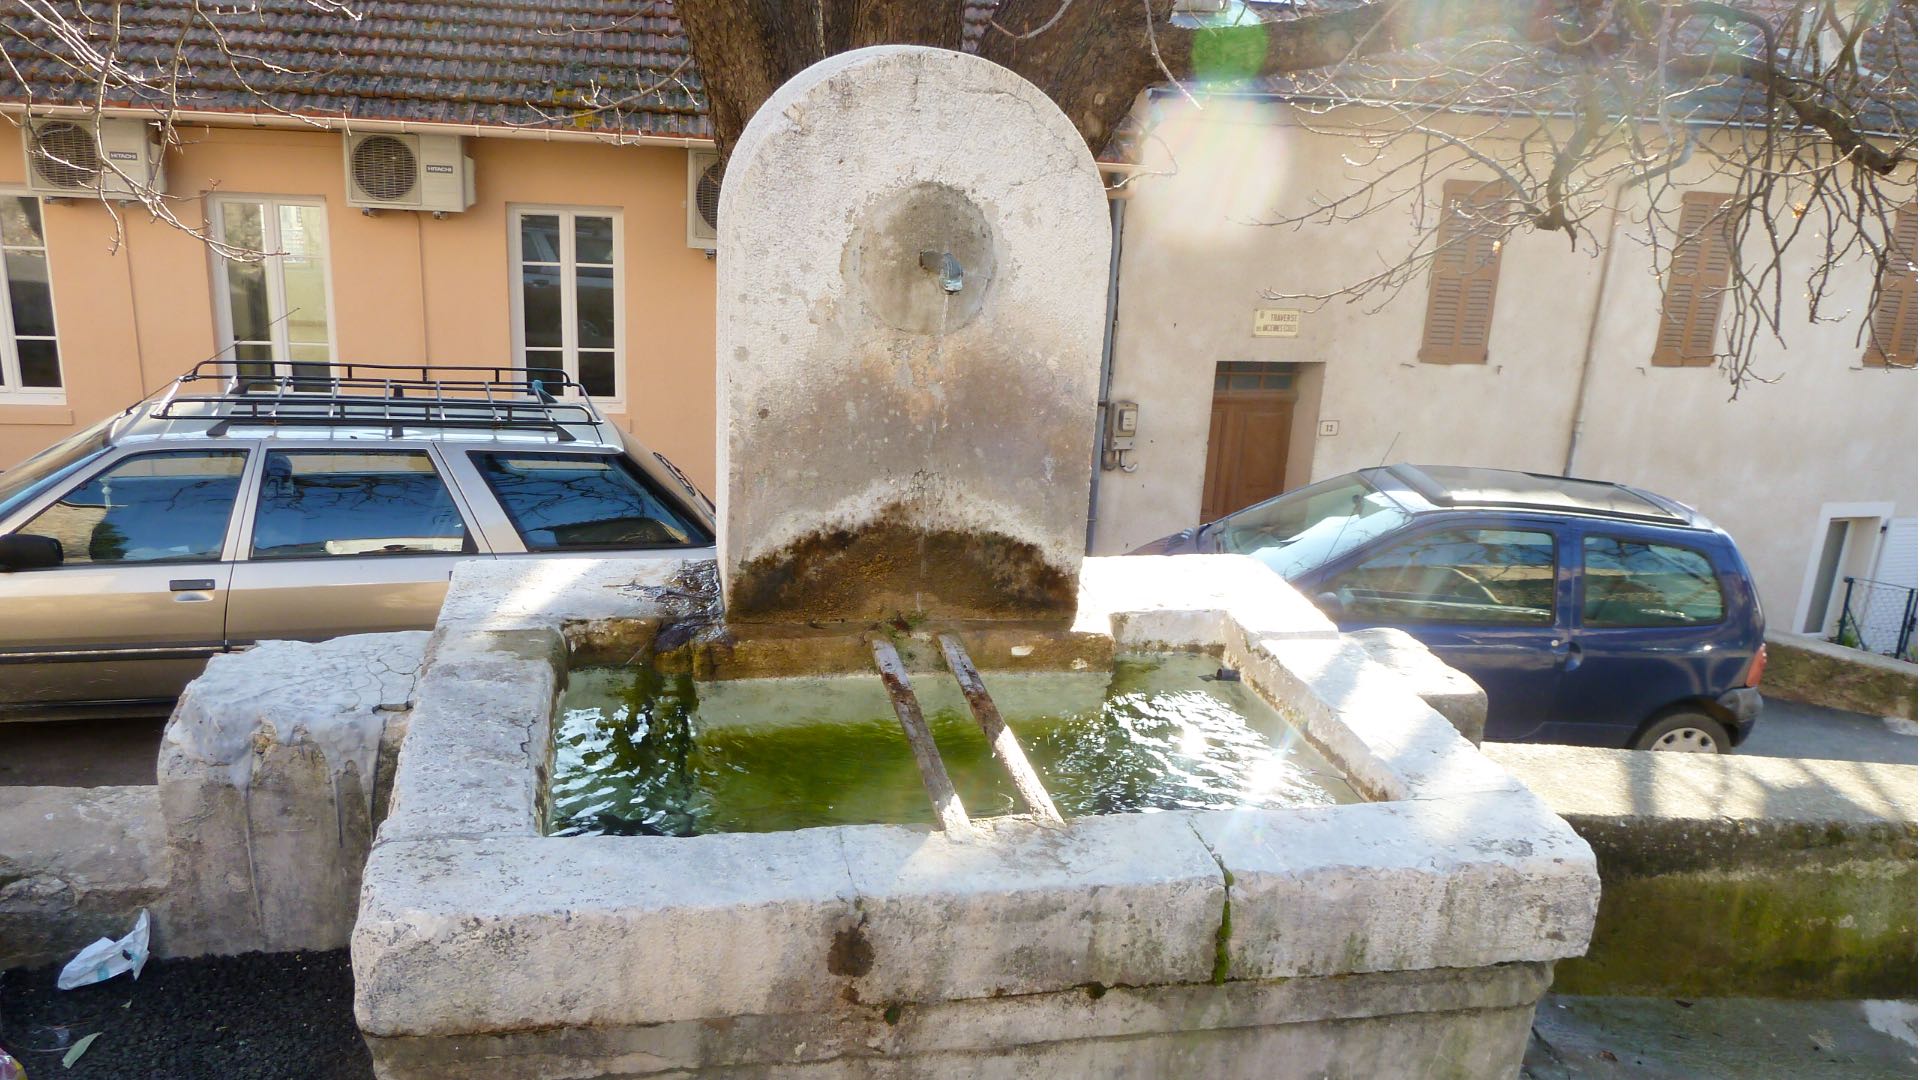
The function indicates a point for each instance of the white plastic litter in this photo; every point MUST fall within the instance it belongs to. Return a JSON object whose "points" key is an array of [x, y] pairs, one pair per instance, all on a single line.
{"points": [[106, 958]]}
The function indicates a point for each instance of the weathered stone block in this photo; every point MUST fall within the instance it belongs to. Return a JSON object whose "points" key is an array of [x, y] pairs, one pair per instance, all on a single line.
{"points": [[1132, 899], [1459, 1024], [267, 776], [497, 934], [76, 864], [476, 757], [909, 346], [1457, 882]]}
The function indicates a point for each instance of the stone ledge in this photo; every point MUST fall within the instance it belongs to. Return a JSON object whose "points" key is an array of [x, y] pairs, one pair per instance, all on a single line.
{"points": [[1448, 690], [76, 864], [857, 1036], [1819, 672], [1468, 881], [476, 757], [1750, 876], [1391, 744]]}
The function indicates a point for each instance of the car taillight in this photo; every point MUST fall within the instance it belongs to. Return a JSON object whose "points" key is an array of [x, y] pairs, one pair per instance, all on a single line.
{"points": [[1758, 667]]}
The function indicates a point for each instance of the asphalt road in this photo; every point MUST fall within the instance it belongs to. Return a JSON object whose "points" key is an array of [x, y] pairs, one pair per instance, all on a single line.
{"points": [[1789, 729], [94, 753]]}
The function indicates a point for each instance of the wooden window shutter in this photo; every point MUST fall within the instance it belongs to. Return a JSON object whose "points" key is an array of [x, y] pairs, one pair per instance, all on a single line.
{"points": [[1895, 326], [1466, 267], [1696, 282]]}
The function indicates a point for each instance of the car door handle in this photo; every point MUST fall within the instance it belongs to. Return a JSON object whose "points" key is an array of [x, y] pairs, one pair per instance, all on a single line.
{"points": [[199, 584], [1573, 657]]}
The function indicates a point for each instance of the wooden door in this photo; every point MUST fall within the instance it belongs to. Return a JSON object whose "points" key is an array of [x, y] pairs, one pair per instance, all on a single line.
{"points": [[1247, 443]]}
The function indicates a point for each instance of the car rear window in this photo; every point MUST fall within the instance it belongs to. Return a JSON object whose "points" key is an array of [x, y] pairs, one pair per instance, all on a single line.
{"points": [[1637, 583], [1489, 577], [1310, 527], [564, 502]]}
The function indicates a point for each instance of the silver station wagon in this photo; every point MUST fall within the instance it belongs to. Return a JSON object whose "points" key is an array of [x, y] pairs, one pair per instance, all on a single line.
{"points": [[235, 508]]}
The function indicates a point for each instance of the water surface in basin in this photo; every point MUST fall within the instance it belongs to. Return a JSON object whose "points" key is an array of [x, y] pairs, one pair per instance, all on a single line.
{"points": [[637, 752]]}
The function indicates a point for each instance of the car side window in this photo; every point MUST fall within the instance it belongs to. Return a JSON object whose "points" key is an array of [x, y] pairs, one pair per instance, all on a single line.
{"points": [[561, 502], [168, 506], [1499, 577], [323, 503], [1638, 583]]}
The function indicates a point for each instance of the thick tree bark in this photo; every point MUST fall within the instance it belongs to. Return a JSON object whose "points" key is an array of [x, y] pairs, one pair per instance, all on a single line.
{"points": [[747, 48]]}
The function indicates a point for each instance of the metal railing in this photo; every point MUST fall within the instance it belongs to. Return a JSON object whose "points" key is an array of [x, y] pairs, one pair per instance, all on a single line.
{"points": [[1878, 616]]}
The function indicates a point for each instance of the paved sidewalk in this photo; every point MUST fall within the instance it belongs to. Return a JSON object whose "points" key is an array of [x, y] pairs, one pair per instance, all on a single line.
{"points": [[1575, 1038]]}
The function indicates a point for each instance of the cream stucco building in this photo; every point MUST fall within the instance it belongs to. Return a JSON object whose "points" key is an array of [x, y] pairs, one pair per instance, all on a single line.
{"points": [[1812, 472]]}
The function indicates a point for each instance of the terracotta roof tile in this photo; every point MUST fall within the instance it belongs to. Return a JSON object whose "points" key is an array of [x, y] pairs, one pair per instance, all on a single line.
{"points": [[620, 66]]}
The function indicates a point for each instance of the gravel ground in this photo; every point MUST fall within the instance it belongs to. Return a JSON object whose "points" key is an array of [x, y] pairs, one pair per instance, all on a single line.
{"points": [[281, 1016]]}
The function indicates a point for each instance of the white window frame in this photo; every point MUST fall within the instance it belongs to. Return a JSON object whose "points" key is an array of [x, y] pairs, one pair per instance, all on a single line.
{"points": [[569, 299], [12, 393], [276, 279]]}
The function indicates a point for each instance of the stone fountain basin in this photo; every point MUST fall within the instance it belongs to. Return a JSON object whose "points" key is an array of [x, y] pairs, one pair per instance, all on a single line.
{"points": [[475, 925]]}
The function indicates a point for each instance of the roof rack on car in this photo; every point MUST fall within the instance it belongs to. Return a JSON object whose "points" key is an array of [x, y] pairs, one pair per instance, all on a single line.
{"points": [[396, 396]]}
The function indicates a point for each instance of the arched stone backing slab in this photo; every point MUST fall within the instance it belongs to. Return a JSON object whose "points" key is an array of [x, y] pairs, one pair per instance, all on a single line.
{"points": [[912, 274]]}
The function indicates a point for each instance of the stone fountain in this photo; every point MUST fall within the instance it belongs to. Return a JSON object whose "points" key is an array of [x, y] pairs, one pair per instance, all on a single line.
{"points": [[911, 280]]}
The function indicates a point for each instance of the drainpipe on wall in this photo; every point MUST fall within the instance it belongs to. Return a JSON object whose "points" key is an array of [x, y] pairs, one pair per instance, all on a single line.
{"points": [[1117, 208], [1593, 333]]}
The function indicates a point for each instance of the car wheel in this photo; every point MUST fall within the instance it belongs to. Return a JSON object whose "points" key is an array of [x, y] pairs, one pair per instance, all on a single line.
{"points": [[1686, 733]]}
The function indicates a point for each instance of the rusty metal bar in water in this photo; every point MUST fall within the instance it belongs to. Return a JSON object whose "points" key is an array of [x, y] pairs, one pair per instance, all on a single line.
{"points": [[933, 772], [1000, 738]]}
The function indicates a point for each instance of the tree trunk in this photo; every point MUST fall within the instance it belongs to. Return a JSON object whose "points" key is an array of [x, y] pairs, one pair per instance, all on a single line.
{"points": [[747, 48]]}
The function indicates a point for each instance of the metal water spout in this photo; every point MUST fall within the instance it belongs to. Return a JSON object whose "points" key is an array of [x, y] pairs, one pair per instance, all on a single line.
{"points": [[948, 267]]}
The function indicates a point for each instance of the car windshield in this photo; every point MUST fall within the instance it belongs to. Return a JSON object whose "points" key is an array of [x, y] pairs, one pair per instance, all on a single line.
{"points": [[1307, 528], [23, 480]]}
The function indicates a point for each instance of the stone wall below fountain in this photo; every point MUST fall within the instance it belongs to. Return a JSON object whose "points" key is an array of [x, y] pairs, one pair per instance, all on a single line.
{"points": [[1418, 927]]}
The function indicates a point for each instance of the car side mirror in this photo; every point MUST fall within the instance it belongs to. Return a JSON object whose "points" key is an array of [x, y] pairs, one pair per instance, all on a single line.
{"points": [[25, 551], [1330, 603]]}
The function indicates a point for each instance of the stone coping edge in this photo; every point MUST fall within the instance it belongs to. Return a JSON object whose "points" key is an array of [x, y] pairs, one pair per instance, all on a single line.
{"points": [[883, 1031]]}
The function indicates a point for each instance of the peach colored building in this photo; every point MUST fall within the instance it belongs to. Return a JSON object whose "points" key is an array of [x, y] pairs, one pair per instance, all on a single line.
{"points": [[577, 249]]}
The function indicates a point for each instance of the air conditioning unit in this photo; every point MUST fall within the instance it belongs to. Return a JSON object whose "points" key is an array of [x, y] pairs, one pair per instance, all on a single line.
{"points": [[66, 158], [703, 199], [404, 171]]}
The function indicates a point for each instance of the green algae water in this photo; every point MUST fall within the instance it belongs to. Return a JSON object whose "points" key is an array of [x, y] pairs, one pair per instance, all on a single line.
{"points": [[640, 753]]}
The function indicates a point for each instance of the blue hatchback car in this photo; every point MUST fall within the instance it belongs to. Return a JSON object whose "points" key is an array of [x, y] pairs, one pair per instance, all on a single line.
{"points": [[1592, 613]]}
